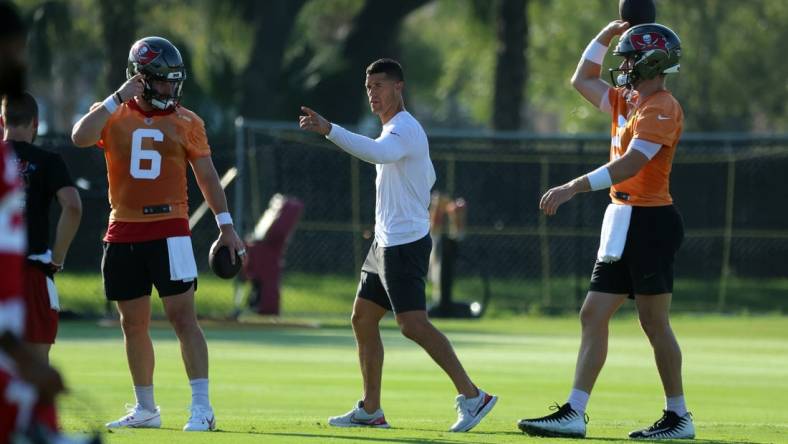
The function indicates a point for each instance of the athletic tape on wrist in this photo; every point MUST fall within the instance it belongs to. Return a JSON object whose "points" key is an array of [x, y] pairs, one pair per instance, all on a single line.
{"points": [[595, 52], [599, 179], [224, 219], [110, 103]]}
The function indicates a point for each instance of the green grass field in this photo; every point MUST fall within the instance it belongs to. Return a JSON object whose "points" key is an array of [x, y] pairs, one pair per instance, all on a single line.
{"points": [[330, 296], [279, 385]]}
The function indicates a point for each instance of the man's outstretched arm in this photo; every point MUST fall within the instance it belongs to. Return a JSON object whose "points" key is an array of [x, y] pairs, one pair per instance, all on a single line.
{"points": [[389, 148]]}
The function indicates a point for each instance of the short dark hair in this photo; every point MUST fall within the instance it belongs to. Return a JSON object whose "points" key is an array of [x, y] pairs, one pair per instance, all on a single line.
{"points": [[390, 67], [19, 109]]}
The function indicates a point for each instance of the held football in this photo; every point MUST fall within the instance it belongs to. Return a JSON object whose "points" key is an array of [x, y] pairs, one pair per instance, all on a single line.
{"points": [[220, 263], [637, 12]]}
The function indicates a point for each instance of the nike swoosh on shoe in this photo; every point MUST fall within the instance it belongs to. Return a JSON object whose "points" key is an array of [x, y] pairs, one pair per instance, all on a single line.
{"points": [[487, 399], [655, 432]]}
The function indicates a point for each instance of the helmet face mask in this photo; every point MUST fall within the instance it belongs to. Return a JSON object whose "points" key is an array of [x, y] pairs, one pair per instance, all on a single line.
{"points": [[161, 101], [623, 75], [649, 50], [157, 60]]}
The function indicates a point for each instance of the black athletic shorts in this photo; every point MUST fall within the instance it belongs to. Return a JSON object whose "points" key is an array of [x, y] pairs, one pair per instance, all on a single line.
{"points": [[646, 266], [130, 270], [395, 277]]}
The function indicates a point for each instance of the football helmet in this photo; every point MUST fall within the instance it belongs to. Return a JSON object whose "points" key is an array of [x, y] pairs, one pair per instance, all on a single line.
{"points": [[157, 59], [649, 50]]}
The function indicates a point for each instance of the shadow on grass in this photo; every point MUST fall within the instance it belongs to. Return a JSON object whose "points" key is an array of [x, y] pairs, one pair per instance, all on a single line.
{"points": [[90, 330], [321, 436], [315, 437], [271, 337]]}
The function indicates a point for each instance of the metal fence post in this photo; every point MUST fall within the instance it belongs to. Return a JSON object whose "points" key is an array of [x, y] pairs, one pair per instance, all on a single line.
{"points": [[727, 239], [238, 210], [580, 285], [355, 197], [544, 242], [240, 160], [254, 179], [451, 184]]}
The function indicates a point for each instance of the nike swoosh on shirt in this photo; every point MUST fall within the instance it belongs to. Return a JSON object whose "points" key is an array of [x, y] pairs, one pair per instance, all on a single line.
{"points": [[392, 132], [661, 117]]}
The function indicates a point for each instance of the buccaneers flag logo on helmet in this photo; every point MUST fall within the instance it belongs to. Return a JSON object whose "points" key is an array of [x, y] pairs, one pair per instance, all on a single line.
{"points": [[649, 40], [144, 53]]}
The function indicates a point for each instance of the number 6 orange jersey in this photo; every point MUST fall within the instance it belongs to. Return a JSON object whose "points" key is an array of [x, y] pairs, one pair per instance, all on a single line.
{"points": [[147, 155]]}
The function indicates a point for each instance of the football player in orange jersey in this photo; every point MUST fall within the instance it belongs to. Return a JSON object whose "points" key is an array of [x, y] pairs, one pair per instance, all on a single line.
{"points": [[641, 231], [148, 139]]}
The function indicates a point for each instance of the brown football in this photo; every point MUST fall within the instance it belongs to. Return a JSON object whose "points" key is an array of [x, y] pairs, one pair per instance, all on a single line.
{"points": [[220, 263]]}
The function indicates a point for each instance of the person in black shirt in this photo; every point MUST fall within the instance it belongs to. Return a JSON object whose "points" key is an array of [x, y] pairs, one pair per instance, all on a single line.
{"points": [[46, 178]]}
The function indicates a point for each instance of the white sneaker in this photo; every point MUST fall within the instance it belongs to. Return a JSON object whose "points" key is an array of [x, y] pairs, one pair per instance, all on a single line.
{"points": [[471, 411], [357, 417], [137, 417], [200, 420], [564, 423]]}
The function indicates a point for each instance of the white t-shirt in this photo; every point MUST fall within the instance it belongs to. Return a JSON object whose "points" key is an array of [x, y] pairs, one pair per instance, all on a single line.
{"points": [[401, 155]]}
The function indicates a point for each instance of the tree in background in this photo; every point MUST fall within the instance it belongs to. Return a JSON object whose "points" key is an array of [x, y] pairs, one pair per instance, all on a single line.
{"points": [[373, 34], [272, 23], [449, 50], [511, 67], [118, 31], [733, 64], [732, 68]]}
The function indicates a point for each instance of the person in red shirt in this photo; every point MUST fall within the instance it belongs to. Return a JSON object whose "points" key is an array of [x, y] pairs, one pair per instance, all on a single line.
{"points": [[148, 140], [28, 385], [642, 229]]}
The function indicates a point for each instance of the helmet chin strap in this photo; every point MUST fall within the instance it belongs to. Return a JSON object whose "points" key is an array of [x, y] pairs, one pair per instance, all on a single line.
{"points": [[152, 97], [162, 104]]}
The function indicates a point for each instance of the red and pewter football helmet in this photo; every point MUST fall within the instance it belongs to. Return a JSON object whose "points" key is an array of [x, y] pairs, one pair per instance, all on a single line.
{"points": [[157, 59], [649, 50]]}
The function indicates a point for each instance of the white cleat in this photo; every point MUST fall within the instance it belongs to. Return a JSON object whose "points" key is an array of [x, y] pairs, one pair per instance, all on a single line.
{"points": [[137, 417], [201, 420], [564, 423], [358, 417], [470, 412]]}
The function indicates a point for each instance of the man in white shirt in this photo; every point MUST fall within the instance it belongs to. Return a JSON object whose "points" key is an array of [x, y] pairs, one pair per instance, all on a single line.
{"points": [[393, 276]]}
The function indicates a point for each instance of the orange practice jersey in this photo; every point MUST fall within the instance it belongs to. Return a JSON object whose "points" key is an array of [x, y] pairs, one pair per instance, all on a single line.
{"points": [[147, 156], [659, 119]]}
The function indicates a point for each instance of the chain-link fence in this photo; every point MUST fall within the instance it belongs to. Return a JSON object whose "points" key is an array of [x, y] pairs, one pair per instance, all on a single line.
{"points": [[730, 189]]}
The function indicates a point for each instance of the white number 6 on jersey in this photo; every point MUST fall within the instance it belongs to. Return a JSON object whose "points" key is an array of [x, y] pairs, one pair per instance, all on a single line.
{"points": [[138, 154]]}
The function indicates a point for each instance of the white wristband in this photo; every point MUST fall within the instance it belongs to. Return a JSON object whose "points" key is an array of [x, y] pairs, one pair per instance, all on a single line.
{"points": [[595, 52], [224, 219], [599, 179], [110, 104]]}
